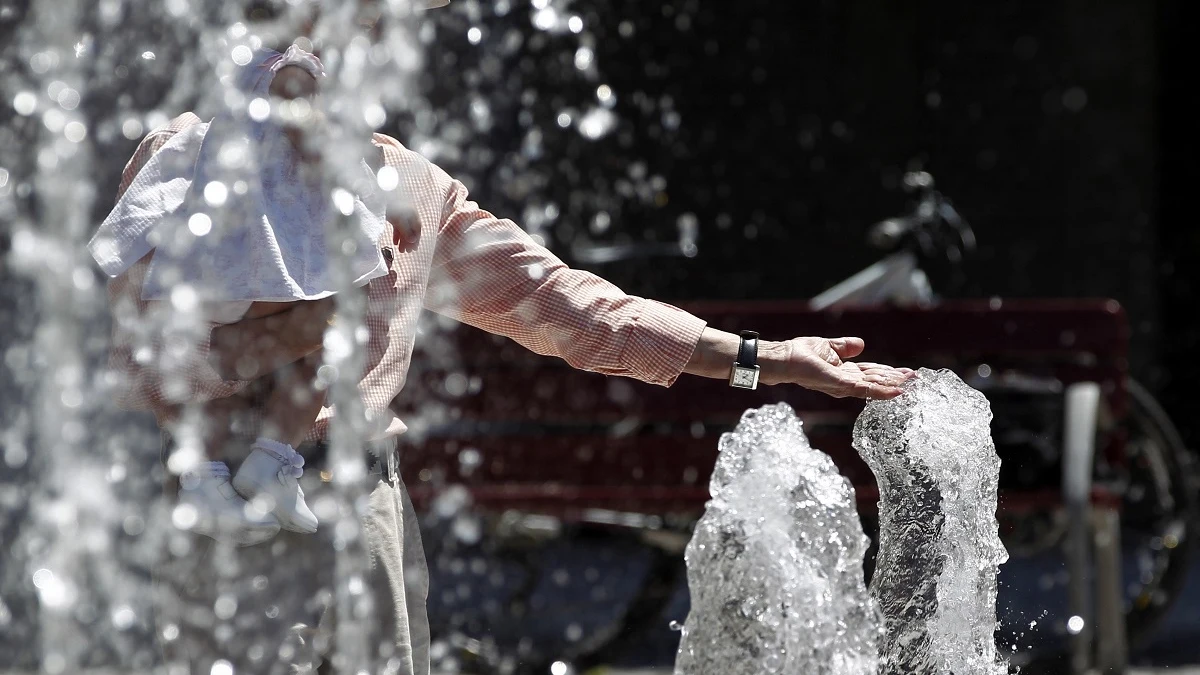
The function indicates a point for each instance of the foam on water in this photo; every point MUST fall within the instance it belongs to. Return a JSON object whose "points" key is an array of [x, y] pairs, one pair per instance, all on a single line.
{"points": [[935, 578], [775, 564]]}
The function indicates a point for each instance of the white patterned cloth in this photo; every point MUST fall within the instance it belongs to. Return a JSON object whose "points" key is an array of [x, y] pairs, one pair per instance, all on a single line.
{"points": [[230, 210]]}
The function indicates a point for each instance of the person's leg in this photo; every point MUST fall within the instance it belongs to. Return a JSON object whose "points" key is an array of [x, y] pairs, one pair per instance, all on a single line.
{"points": [[399, 581]]}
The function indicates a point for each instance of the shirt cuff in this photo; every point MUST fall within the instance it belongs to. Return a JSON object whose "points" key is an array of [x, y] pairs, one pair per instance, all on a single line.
{"points": [[663, 340]]}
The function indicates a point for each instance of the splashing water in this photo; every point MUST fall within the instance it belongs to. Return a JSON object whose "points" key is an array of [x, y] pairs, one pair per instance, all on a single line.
{"points": [[775, 564], [935, 578]]}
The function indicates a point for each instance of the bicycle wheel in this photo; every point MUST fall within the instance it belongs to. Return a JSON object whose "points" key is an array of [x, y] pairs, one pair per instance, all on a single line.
{"points": [[1158, 519]]}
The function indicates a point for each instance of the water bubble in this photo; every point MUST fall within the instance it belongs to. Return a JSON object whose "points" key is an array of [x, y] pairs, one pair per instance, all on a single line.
{"points": [[225, 607], [52, 590], [71, 397], [545, 18], [559, 668], [221, 668], [199, 224], [133, 525], [474, 35], [42, 62], [259, 109], [575, 24], [132, 128], [343, 200], [185, 516], [1075, 625], [148, 55], [242, 54], [467, 529], [469, 459], [123, 617], [215, 193], [54, 120], [451, 500], [583, 58], [184, 298], [600, 223], [82, 278], [116, 473], [388, 179], [375, 116]]}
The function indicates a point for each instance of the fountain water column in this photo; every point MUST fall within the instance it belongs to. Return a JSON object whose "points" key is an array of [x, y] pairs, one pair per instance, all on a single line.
{"points": [[70, 502], [939, 551], [357, 82], [775, 564]]}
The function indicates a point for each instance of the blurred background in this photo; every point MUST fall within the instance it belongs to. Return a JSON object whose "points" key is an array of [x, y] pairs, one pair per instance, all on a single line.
{"points": [[691, 150]]}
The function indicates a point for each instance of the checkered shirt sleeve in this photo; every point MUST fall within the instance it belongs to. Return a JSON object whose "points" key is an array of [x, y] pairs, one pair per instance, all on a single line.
{"points": [[504, 282]]}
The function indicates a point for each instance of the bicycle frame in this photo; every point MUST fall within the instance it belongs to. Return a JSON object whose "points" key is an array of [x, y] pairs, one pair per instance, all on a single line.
{"points": [[896, 279]]}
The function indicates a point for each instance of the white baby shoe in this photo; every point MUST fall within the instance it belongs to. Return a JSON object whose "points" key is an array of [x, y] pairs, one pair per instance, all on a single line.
{"points": [[270, 478], [209, 505]]}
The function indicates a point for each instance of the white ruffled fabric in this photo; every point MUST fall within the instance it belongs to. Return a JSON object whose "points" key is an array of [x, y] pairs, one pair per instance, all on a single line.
{"points": [[291, 463], [266, 241]]}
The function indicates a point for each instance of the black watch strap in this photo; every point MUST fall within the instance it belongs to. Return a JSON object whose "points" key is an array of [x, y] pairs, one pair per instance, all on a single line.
{"points": [[747, 356]]}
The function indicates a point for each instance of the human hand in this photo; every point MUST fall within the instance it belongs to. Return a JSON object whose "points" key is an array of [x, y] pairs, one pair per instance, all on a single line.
{"points": [[819, 364]]}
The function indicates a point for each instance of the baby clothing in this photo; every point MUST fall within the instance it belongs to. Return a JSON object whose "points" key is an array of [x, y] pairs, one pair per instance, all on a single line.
{"points": [[230, 210]]}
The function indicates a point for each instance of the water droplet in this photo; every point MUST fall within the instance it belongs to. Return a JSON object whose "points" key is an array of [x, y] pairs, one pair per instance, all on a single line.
{"points": [[199, 224], [1075, 625], [215, 193], [242, 54], [259, 109]]}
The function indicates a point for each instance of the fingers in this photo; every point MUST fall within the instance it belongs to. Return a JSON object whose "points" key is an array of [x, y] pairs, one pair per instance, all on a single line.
{"points": [[876, 391], [871, 381], [887, 375], [847, 347]]}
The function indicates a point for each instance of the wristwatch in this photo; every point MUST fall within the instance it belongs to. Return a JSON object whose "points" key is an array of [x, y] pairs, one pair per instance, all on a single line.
{"points": [[744, 374]]}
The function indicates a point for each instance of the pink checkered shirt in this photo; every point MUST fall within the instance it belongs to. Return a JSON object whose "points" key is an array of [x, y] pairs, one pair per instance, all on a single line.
{"points": [[464, 263]]}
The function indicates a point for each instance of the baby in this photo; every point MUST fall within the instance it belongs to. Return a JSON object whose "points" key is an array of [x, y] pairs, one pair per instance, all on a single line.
{"points": [[236, 210]]}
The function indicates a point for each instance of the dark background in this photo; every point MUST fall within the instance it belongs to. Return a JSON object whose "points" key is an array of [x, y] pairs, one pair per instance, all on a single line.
{"points": [[1063, 130]]}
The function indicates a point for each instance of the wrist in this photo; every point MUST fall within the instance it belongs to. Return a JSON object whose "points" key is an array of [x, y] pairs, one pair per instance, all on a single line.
{"points": [[772, 360]]}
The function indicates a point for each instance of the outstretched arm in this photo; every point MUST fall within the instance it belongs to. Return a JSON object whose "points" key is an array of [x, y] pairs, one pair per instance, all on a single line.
{"points": [[502, 281]]}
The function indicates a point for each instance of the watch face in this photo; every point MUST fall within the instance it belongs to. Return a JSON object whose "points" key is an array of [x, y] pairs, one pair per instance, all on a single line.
{"points": [[743, 377]]}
